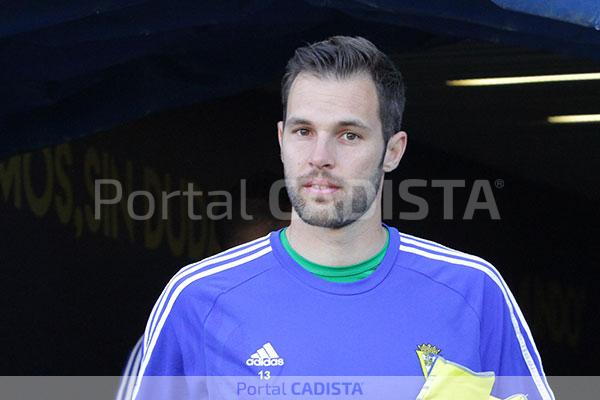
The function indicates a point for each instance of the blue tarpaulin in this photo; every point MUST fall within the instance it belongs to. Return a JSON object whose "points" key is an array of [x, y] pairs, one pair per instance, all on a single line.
{"points": [[581, 12], [69, 69]]}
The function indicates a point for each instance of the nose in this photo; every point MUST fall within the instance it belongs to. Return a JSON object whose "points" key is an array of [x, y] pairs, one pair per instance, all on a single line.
{"points": [[323, 153]]}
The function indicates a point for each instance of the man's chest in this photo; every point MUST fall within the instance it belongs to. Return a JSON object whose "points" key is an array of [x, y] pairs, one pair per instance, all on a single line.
{"points": [[326, 336]]}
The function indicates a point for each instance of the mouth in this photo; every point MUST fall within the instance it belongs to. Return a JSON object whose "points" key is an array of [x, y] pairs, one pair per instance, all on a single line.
{"points": [[320, 187]]}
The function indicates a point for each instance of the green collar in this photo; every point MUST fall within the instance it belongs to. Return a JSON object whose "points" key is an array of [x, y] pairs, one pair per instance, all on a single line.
{"points": [[344, 273]]}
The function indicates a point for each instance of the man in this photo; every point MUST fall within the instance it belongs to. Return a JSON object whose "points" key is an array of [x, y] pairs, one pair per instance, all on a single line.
{"points": [[338, 293]]}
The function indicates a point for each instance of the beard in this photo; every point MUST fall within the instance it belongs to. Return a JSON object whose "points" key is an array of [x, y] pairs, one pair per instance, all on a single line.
{"points": [[354, 199]]}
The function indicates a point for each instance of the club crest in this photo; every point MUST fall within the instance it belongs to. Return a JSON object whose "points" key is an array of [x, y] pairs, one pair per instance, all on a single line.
{"points": [[427, 354]]}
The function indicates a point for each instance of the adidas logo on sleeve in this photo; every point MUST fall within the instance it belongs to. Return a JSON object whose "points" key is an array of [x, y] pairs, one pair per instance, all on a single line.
{"points": [[266, 356]]}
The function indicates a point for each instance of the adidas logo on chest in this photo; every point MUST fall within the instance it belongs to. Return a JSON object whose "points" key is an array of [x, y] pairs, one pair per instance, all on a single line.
{"points": [[266, 356]]}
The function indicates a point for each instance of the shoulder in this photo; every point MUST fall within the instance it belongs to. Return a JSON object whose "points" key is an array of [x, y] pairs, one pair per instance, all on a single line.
{"points": [[191, 292], [213, 275], [471, 276]]}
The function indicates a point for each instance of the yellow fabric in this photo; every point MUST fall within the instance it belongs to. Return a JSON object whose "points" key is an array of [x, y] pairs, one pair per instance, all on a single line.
{"points": [[445, 380]]}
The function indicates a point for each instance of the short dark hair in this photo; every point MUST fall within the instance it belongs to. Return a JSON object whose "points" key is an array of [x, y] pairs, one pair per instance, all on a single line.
{"points": [[343, 56]]}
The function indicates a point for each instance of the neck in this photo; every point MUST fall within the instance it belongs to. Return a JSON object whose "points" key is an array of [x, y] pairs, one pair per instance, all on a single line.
{"points": [[349, 245]]}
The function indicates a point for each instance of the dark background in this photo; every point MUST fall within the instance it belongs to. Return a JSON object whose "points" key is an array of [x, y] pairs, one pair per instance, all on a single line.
{"points": [[199, 104]]}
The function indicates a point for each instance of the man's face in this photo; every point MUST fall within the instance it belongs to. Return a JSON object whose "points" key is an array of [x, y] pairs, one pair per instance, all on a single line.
{"points": [[332, 147]]}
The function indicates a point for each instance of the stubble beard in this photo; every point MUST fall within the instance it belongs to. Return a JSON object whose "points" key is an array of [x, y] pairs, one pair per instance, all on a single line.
{"points": [[358, 198]]}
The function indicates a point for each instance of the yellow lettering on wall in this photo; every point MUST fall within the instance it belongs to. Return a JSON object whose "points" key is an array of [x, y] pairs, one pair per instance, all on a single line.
{"points": [[199, 232], [127, 188], [556, 309], [39, 205], [153, 231], [563, 310], [63, 203], [10, 177], [176, 242], [91, 169]]}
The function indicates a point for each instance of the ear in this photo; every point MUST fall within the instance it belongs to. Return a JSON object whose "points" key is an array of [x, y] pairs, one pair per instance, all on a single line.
{"points": [[280, 132], [280, 138], [394, 151]]}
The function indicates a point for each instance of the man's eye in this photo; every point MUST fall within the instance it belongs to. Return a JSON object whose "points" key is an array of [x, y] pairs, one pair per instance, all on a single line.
{"points": [[303, 132], [351, 136]]}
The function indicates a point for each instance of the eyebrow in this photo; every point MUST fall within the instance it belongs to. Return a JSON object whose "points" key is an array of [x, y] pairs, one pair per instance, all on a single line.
{"points": [[347, 122], [297, 121]]}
